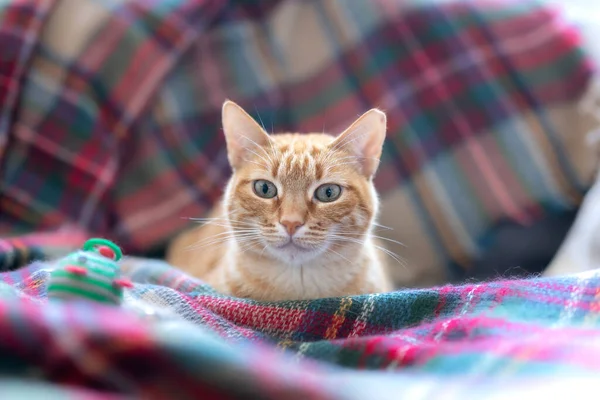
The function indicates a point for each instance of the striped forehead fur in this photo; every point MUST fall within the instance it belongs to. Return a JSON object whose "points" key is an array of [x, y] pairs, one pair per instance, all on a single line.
{"points": [[297, 156]]}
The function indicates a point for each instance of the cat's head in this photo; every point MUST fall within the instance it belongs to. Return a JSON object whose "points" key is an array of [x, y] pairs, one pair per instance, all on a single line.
{"points": [[294, 197]]}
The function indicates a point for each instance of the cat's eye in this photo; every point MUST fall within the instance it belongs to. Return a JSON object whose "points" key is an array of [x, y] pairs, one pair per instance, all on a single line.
{"points": [[328, 192], [265, 189]]}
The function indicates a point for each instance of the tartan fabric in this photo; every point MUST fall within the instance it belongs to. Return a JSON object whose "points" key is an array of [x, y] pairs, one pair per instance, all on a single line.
{"points": [[175, 338], [21, 250], [116, 126], [20, 26]]}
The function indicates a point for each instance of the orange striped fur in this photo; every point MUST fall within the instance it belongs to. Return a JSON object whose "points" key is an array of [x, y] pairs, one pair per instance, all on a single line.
{"points": [[292, 245]]}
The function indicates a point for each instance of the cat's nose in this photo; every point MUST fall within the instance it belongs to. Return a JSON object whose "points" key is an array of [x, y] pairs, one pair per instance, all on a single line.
{"points": [[291, 226]]}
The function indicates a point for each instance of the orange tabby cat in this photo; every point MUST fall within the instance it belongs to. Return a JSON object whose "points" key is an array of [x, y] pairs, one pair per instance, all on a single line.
{"points": [[296, 216]]}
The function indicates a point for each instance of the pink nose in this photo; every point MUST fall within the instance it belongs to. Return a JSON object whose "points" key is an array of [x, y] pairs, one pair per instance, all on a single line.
{"points": [[291, 226]]}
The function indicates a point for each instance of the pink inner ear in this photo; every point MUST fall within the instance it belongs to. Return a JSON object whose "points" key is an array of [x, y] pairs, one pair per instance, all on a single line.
{"points": [[364, 138]]}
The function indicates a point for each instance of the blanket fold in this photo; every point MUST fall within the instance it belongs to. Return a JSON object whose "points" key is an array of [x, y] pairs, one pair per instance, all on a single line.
{"points": [[175, 337]]}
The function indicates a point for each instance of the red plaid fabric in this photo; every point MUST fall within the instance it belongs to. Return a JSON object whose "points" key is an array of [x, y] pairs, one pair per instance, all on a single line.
{"points": [[116, 126]]}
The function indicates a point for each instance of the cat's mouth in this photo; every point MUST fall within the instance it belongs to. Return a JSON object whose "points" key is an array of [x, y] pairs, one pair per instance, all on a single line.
{"points": [[291, 246], [294, 253]]}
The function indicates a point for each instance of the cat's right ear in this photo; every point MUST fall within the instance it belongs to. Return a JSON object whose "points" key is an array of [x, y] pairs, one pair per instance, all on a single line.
{"points": [[242, 134]]}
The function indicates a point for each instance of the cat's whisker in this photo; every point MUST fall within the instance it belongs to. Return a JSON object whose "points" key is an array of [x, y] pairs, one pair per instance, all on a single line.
{"points": [[263, 250], [347, 139], [224, 222], [238, 233], [349, 239], [382, 226], [374, 236], [233, 221], [338, 160], [237, 228], [197, 246], [258, 155], [219, 224], [256, 163], [209, 239], [260, 119], [217, 219], [388, 240], [234, 234], [251, 245], [224, 240], [345, 158], [341, 256], [270, 162], [356, 158], [223, 237], [273, 149], [374, 229], [342, 164], [390, 253], [229, 225], [352, 136]]}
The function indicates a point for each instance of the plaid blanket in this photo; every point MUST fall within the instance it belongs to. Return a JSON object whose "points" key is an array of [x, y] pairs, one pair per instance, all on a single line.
{"points": [[112, 123], [115, 132], [174, 337]]}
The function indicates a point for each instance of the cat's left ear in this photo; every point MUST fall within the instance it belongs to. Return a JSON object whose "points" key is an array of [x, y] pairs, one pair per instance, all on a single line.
{"points": [[243, 135], [364, 139]]}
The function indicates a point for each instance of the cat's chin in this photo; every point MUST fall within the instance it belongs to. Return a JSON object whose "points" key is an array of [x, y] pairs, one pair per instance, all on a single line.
{"points": [[293, 253], [292, 247]]}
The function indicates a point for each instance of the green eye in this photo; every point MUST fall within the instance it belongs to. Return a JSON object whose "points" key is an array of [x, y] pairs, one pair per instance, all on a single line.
{"points": [[328, 192], [265, 189]]}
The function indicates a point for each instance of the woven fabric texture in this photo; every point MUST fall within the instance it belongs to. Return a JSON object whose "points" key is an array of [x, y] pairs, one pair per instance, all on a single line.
{"points": [[174, 337]]}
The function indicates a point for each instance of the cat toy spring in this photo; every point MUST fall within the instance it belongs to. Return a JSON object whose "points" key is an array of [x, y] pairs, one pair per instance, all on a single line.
{"points": [[92, 274]]}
